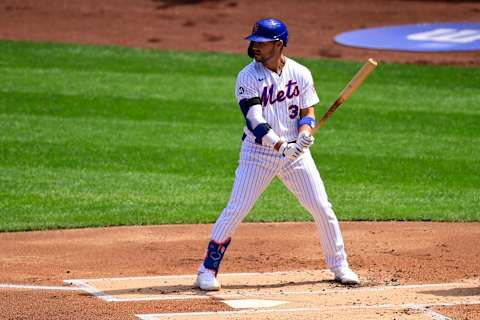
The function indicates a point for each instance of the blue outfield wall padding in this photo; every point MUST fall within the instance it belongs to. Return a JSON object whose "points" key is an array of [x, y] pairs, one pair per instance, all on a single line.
{"points": [[423, 37]]}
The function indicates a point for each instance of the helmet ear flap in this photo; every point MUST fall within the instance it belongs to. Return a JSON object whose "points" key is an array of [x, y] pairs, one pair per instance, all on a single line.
{"points": [[250, 52]]}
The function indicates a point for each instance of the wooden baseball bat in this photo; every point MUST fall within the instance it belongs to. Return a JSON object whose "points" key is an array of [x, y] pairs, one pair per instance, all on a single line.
{"points": [[353, 85]]}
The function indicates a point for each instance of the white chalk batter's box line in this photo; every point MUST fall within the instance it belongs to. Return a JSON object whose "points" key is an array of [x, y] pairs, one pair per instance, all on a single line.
{"points": [[106, 297], [84, 285], [421, 307]]}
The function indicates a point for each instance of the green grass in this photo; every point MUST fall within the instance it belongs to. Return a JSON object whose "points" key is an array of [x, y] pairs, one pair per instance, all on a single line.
{"points": [[100, 136]]}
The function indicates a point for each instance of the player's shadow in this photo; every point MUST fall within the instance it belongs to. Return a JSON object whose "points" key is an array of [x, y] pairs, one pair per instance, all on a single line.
{"points": [[455, 292], [179, 289], [278, 285], [154, 290]]}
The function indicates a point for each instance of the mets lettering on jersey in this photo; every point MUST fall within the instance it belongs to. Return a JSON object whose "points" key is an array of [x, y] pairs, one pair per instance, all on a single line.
{"points": [[268, 94], [282, 96]]}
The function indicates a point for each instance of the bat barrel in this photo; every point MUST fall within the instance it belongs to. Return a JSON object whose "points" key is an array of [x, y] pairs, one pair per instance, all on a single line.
{"points": [[356, 81]]}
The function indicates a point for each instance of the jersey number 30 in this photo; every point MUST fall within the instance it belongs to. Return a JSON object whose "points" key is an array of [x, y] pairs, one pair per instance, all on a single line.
{"points": [[293, 111]]}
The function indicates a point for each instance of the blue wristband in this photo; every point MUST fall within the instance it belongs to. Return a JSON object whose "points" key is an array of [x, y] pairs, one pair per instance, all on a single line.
{"points": [[308, 121]]}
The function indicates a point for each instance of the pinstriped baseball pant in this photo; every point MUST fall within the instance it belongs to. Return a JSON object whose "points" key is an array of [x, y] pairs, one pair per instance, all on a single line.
{"points": [[258, 166]]}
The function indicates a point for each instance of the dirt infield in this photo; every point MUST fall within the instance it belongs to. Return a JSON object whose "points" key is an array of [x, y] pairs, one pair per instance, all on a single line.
{"points": [[386, 255], [438, 261]]}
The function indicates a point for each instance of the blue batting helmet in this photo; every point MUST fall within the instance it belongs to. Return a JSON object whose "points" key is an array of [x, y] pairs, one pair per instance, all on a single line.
{"points": [[269, 30]]}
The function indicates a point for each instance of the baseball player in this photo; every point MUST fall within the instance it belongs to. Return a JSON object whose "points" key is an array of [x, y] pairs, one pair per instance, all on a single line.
{"points": [[277, 97]]}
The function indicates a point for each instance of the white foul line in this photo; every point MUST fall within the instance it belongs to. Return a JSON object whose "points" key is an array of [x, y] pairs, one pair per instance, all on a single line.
{"points": [[34, 287]]}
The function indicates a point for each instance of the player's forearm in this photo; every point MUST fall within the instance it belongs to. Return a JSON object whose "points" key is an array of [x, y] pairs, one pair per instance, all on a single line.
{"points": [[307, 113], [260, 127], [306, 128]]}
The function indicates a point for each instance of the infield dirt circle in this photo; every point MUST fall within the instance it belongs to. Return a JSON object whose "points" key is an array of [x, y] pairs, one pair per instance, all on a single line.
{"points": [[410, 270]]}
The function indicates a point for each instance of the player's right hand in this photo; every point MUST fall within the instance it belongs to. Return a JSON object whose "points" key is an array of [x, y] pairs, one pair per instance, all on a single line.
{"points": [[291, 150], [305, 139]]}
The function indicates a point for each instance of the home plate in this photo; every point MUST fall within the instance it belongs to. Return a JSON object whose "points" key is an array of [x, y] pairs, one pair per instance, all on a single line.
{"points": [[253, 303]]}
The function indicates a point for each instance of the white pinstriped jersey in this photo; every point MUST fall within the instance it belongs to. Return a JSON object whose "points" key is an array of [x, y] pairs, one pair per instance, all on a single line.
{"points": [[282, 95]]}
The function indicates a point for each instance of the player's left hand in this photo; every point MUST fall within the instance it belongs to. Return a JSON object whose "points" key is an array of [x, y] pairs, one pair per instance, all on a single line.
{"points": [[290, 151], [305, 139]]}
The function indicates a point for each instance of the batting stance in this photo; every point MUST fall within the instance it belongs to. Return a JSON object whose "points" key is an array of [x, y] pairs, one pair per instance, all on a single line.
{"points": [[277, 97]]}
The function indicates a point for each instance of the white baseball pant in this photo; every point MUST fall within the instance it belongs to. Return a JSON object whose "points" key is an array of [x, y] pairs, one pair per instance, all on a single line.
{"points": [[258, 165]]}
